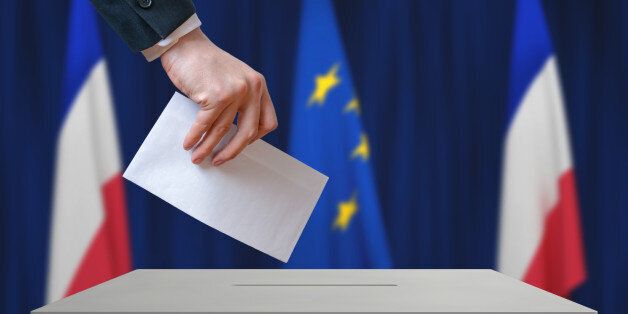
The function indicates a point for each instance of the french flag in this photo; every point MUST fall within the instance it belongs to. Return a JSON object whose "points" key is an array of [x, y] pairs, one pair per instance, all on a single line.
{"points": [[89, 235], [540, 240]]}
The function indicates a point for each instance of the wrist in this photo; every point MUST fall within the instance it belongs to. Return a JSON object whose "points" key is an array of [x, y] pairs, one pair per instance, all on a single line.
{"points": [[196, 36], [190, 43]]}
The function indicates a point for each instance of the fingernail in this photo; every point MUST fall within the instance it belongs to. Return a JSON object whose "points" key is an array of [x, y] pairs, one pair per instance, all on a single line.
{"points": [[218, 162], [197, 160]]}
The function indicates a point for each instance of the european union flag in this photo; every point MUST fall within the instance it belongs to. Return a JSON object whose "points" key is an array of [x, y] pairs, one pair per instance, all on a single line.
{"points": [[345, 229]]}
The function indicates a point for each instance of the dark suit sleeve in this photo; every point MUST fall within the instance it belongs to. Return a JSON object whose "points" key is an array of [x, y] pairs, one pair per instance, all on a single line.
{"points": [[142, 23]]}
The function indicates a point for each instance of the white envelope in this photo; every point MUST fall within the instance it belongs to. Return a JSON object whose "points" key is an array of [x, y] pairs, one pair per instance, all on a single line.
{"points": [[262, 198]]}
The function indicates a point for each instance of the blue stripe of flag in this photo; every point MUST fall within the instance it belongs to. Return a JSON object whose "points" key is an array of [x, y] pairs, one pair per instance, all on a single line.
{"points": [[531, 48], [83, 51]]}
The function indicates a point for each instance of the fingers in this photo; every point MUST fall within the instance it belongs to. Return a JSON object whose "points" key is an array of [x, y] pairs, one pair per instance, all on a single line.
{"points": [[204, 120], [248, 123], [268, 118], [218, 108], [212, 137], [250, 98]]}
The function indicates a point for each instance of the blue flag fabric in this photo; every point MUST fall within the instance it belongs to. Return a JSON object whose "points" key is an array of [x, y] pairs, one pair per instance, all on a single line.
{"points": [[345, 229], [83, 50]]}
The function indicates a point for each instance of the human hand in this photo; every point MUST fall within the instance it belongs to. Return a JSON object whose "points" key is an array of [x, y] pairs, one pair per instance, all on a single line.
{"points": [[223, 86]]}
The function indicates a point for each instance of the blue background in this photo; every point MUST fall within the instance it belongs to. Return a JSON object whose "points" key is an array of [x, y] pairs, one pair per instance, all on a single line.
{"points": [[432, 77]]}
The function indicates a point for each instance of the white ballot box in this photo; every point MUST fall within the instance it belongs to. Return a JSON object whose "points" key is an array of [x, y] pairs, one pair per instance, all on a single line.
{"points": [[310, 291]]}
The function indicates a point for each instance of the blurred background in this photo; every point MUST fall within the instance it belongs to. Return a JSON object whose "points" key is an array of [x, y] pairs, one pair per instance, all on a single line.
{"points": [[432, 79]]}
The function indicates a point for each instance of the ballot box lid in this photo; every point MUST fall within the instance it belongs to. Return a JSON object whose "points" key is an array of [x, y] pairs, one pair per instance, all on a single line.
{"points": [[314, 291]]}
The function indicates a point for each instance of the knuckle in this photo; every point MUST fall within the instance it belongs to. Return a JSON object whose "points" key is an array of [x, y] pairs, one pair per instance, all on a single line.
{"points": [[222, 96], [201, 99], [270, 126], [267, 128], [250, 134], [264, 129], [231, 153], [228, 154], [219, 94], [203, 152], [241, 86], [256, 80], [201, 125], [200, 128], [222, 129]]}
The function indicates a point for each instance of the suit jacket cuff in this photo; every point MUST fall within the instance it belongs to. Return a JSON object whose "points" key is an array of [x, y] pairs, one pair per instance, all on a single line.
{"points": [[163, 45], [142, 23]]}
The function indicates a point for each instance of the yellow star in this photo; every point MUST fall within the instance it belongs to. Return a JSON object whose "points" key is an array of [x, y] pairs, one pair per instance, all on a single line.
{"points": [[353, 105], [362, 150], [324, 83], [346, 211]]}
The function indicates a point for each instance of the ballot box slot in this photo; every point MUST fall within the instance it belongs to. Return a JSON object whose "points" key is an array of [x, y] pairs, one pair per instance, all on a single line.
{"points": [[315, 285]]}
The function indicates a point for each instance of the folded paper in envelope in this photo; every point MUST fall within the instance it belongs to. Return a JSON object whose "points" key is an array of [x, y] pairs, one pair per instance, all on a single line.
{"points": [[263, 197]]}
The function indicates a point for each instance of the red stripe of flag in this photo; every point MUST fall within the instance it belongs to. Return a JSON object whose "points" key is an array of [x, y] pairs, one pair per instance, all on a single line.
{"points": [[108, 255]]}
